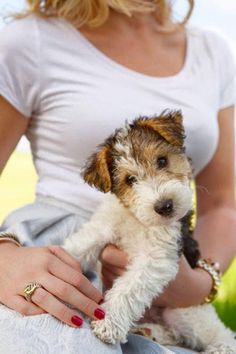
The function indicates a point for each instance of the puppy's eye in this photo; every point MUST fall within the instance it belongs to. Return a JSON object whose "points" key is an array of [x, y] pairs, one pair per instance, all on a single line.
{"points": [[130, 180], [162, 162]]}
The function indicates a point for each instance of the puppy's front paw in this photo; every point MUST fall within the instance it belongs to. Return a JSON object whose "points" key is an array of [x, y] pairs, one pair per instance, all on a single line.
{"points": [[108, 332]]}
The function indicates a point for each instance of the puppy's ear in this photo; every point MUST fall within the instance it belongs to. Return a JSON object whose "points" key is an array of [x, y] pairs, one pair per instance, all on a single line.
{"points": [[169, 125], [96, 172]]}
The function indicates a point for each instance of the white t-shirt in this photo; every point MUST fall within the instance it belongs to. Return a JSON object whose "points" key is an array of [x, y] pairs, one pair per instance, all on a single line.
{"points": [[76, 96]]}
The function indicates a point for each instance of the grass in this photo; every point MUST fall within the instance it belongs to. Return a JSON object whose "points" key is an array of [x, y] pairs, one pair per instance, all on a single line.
{"points": [[17, 185], [226, 301]]}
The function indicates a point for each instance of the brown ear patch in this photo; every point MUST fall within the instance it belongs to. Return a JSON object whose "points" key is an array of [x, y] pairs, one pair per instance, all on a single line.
{"points": [[96, 172], [169, 125]]}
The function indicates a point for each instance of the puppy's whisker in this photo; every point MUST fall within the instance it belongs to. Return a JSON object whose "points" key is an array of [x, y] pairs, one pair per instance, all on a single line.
{"points": [[202, 188]]}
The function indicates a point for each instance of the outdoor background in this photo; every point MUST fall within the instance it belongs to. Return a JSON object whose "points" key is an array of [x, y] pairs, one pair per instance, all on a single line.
{"points": [[18, 179]]}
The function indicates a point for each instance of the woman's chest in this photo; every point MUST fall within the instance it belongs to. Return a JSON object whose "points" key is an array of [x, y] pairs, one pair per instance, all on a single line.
{"points": [[81, 108]]}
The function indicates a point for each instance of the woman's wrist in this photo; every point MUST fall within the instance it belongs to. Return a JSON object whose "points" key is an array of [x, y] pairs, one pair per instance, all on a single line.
{"points": [[198, 287], [201, 285], [213, 270], [6, 244]]}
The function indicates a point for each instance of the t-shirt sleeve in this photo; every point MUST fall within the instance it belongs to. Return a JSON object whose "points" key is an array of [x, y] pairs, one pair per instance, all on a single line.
{"points": [[19, 66], [227, 74]]}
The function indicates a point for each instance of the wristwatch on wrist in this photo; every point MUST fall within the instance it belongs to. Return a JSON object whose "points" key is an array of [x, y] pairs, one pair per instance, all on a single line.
{"points": [[213, 269]]}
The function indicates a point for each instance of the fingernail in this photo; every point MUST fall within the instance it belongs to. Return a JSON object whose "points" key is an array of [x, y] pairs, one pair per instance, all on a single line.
{"points": [[77, 321], [99, 314], [101, 302]]}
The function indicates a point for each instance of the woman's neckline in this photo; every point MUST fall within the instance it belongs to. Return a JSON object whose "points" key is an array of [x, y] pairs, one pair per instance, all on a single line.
{"points": [[128, 71]]}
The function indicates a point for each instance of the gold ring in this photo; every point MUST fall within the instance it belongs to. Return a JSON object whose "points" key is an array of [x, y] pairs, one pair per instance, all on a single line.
{"points": [[30, 289]]}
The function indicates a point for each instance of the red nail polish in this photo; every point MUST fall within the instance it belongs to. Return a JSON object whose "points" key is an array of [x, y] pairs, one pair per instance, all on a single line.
{"points": [[76, 320], [99, 314], [101, 302]]}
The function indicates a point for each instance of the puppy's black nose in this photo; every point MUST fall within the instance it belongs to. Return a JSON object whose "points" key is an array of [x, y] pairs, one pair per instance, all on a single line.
{"points": [[164, 207]]}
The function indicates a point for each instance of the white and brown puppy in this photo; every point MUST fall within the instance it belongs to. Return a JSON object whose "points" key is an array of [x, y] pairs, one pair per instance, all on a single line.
{"points": [[145, 168]]}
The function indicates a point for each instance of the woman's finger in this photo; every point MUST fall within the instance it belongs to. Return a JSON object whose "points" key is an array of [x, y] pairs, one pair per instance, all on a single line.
{"points": [[26, 308], [116, 271], [111, 255], [50, 304], [72, 296], [65, 257], [107, 278], [108, 275], [161, 302], [76, 278]]}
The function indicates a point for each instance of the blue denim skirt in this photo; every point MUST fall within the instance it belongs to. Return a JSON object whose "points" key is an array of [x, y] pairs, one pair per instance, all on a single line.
{"points": [[49, 221]]}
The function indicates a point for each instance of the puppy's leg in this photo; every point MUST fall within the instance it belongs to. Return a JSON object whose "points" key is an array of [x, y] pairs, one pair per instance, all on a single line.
{"points": [[88, 242], [131, 293], [199, 328]]}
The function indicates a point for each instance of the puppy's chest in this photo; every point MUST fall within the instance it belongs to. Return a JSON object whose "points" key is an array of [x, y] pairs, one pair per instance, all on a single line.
{"points": [[130, 235], [135, 238]]}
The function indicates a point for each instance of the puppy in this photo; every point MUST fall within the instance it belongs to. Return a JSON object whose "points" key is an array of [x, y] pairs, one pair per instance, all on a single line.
{"points": [[146, 171]]}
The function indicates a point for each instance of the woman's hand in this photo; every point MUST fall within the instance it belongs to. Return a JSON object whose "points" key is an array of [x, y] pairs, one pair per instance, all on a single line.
{"points": [[189, 288], [60, 276], [114, 262]]}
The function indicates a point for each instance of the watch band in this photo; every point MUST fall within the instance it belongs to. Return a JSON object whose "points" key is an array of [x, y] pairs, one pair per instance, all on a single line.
{"points": [[213, 270]]}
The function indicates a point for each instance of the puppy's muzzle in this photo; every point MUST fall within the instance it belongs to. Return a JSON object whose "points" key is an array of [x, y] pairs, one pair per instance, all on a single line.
{"points": [[164, 207]]}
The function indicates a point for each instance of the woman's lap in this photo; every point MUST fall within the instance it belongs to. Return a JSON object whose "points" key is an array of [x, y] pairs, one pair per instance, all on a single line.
{"points": [[40, 224], [43, 334]]}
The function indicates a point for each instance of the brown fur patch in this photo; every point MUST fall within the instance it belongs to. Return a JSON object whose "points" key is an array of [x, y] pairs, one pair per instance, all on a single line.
{"points": [[168, 125], [96, 172]]}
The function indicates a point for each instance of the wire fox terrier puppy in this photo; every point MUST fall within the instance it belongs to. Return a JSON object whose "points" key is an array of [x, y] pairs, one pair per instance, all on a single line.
{"points": [[145, 168]]}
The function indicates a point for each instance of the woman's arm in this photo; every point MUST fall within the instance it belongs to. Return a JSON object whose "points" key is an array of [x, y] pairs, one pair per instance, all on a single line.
{"points": [[12, 126], [216, 226]]}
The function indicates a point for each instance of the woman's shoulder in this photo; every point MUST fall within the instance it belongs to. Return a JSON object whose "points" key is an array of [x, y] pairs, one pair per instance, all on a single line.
{"points": [[213, 54], [213, 49], [26, 32], [18, 36], [211, 41]]}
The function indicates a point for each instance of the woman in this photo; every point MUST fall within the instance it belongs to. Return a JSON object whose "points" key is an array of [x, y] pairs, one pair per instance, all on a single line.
{"points": [[67, 79]]}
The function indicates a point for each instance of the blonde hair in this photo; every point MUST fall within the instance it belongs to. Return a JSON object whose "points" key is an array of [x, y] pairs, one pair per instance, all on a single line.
{"points": [[95, 12]]}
